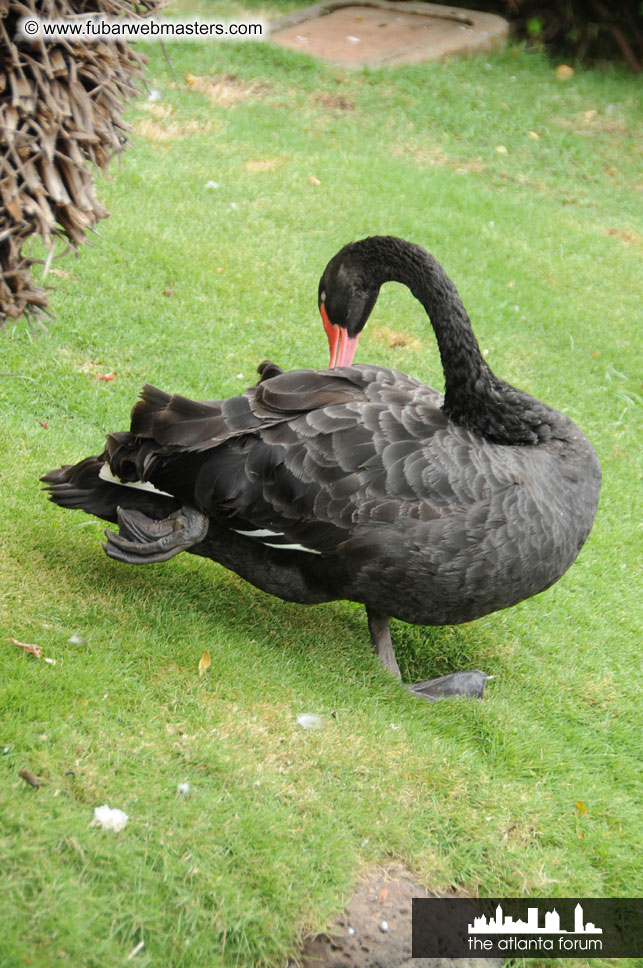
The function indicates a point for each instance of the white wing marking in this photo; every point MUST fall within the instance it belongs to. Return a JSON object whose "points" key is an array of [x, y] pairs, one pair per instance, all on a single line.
{"points": [[106, 475]]}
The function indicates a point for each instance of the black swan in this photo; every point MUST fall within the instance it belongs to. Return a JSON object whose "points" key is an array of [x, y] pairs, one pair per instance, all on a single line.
{"points": [[357, 482]]}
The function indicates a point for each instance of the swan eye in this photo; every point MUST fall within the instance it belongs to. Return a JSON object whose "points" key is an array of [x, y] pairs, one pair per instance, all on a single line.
{"points": [[322, 296]]}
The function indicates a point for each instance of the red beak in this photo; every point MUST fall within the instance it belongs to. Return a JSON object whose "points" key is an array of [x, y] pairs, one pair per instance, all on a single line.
{"points": [[342, 346]]}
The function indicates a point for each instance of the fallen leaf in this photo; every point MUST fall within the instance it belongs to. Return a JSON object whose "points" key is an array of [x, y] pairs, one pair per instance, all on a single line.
{"points": [[204, 662], [44, 424], [501, 150], [30, 778], [108, 377], [589, 115], [533, 135], [35, 650], [313, 180], [383, 893], [564, 72], [28, 647], [580, 806]]}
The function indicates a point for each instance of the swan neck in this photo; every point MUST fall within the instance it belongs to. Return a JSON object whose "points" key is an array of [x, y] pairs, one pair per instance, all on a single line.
{"points": [[466, 373], [474, 397]]}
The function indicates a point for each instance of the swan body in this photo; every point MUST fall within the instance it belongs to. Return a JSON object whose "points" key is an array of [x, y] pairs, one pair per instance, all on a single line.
{"points": [[356, 482]]}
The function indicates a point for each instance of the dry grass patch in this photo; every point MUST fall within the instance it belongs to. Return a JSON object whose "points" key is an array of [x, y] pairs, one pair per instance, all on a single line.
{"points": [[63, 274], [227, 89], [263, 164], [155, 131], [435, 156], [333, 102], [592, 122], [628, 236], [157, 109], [394, 339]]}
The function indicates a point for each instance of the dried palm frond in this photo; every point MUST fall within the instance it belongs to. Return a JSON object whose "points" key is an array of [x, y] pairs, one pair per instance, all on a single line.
{"points": [[60, 110]]}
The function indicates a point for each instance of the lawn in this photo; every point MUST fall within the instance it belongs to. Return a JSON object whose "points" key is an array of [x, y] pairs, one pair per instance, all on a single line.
{"points": [[244, 176]]}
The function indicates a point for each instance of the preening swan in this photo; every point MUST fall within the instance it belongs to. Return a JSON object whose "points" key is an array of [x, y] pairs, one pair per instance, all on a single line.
{"points": [[356, 482]]}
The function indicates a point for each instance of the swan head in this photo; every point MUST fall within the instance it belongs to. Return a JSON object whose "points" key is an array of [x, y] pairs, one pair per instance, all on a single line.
{"points": [[346, 297]]}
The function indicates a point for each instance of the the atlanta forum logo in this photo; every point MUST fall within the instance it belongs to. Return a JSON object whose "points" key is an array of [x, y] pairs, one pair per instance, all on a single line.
{"points": [[523, 936], [528, 927]]}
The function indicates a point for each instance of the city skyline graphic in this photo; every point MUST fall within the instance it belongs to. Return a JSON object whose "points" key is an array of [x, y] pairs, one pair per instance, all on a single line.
{"points": [[506, 925]]}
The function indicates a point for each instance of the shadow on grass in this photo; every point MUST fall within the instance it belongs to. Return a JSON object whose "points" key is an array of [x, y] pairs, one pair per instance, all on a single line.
{"points": [[205, 599]]}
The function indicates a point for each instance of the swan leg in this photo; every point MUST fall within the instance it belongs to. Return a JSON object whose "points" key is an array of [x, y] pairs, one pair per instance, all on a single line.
{"points": [[470, 684], [379, 625], [143, 540]]}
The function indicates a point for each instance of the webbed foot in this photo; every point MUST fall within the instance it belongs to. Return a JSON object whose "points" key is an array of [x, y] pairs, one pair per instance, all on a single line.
{"points": [[144, 540], [470, 684]]}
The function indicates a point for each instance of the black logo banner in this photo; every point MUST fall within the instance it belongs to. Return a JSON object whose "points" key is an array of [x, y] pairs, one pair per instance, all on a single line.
{"points": [[527, 927]]}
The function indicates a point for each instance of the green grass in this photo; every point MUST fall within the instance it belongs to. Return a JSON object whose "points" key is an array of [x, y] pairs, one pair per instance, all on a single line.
{"points": [[535, 791]]}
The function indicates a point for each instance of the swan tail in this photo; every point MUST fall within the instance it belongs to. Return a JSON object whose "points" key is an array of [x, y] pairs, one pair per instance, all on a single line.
{"points": [[80, 487]]}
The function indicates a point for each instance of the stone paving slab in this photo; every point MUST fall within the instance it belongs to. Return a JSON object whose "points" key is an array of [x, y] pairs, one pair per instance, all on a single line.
{"points": [[380, 33]]}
